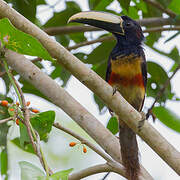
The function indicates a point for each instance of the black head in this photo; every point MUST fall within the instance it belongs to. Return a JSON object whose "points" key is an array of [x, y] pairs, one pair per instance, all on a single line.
{"points": [[132, 31]]}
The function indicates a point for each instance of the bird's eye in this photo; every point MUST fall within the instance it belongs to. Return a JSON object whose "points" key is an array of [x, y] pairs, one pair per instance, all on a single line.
{"points": [[128, 24]]}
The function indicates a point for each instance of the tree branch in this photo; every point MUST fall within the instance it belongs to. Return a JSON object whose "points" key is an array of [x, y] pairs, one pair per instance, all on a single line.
{"points": [[111, 37], [160, 7], [94, 170], [6, 120], [88, 77]]}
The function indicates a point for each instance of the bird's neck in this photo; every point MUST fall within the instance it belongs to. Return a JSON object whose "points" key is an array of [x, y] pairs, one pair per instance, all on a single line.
{"points": [[125, 47]]}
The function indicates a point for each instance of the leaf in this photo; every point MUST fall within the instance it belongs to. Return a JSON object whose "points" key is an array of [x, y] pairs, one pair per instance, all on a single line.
{"points": [[175, 6], [61, 175], [29, 88], [141, 5], [113, 125], [4, 163], [61, 18], [100, 53], [99, 102], [156, 81], [3, 127], [125, 4], [60, 72], [26, 7], [30, 171], [20, 42], [167, 117], [99, 5], [42, 123], [24, 137], [28, 147]]}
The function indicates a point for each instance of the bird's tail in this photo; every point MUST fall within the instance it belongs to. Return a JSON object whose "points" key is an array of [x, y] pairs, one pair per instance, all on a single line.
{"points": [[129, 151]]}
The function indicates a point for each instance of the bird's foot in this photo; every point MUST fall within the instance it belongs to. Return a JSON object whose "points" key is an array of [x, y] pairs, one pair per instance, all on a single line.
{"points": [[114, 90], [141, 122]]}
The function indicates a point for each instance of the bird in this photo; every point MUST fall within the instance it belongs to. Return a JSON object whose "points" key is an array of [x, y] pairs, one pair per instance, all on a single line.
{"points": [[126, 73]]}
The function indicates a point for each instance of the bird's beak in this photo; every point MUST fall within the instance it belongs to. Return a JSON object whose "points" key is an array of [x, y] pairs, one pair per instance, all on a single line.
{"points": [[103, 20]]}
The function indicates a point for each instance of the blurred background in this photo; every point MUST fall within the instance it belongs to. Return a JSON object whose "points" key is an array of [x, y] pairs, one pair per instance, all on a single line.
{"points": [[162, 54]]}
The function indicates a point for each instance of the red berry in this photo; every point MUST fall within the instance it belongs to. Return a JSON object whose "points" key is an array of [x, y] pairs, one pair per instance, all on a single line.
{"points": [[84, 150], [71, 144], [4, 103], [35, 111], [17, 121], [28, 103]]}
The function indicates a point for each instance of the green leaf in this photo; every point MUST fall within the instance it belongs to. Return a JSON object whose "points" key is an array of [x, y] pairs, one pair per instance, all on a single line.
{"points": [[61, 175], [167, 117], [27, 147], [30, 171], [125, 4], [61, 18], [29, 88], [175, 6], [174, 54], [26, 7], [42, 123], [99, 5], [113, 125], [156, 81], [100, 53], [64, 40], [3, 127], [99, 102], [141, 5], [24, 137], [4, 163], [20, 42]]}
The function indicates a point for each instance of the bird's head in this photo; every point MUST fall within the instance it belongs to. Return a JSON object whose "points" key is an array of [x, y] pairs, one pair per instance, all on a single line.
{"points": [[123, 27]]}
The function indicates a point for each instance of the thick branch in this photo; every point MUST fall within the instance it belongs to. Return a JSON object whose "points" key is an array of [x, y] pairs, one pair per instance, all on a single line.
{"points": [[94, 170], [88, 77]]}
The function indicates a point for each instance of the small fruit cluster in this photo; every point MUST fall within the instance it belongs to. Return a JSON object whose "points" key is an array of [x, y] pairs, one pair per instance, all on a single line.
{"points": [[13, 107], [72, 144]]}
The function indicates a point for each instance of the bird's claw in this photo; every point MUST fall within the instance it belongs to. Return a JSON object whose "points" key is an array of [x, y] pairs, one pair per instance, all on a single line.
{"points": [[141, 122], [114, 90]]}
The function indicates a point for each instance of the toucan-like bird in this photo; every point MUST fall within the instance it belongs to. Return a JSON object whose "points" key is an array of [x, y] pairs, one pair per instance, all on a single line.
{"points": [[126, 72]]}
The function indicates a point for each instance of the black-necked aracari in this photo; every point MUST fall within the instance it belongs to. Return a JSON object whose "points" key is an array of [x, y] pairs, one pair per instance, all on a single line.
{"points": [[126, 72]]}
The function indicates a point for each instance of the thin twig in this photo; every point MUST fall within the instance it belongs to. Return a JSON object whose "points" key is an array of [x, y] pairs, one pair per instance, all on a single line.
{"points": [[161, 91], [106, 175], [85, 43], [84, 141], [6, 120], [160, 7], [2, 73]]}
